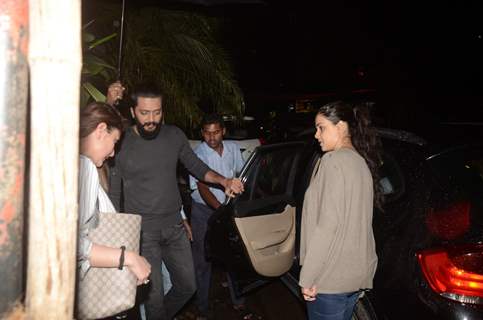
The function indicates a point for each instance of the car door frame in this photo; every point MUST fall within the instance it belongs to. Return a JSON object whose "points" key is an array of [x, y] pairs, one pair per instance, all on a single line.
{"points": [[232, 251]]}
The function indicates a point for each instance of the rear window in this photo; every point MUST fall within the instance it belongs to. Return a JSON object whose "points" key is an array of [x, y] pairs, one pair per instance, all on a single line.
{"points": [[456, 204], [460, 172]]}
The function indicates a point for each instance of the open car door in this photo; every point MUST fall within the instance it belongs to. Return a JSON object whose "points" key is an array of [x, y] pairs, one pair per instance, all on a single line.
{"points": [[253, 235]]}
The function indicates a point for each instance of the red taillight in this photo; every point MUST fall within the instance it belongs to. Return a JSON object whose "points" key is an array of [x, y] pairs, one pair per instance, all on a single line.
{"points": [[455, 273], [451, 222]]}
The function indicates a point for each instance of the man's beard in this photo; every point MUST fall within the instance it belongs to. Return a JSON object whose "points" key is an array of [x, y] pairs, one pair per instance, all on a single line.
{"points": [[145, 134]]}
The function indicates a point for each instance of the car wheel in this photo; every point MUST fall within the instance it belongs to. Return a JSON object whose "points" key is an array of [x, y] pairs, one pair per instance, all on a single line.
{"points": [[364, 310]]}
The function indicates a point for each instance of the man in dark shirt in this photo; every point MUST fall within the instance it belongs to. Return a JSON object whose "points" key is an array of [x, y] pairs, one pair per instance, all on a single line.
{"points": [[145, 167]]}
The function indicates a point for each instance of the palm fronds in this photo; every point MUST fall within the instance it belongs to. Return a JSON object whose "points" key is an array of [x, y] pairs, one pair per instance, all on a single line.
{"points": [[180, 52]]}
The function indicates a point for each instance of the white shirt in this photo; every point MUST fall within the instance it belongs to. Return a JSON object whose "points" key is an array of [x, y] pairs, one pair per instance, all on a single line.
{"points": [[92, 199], [229, 164]]}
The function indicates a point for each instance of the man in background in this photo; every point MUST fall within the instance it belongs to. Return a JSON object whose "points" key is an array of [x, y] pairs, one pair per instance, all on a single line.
{"points": [[225, 158]]}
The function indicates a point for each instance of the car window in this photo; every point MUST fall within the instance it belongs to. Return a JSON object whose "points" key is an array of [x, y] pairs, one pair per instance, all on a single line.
{"points": [[460, 171], [391, 180], [269, 175], [456, 199]]}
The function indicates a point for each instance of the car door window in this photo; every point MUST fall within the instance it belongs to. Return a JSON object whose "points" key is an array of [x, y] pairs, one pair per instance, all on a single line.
{"points": [[269, 176], [391, 180]]}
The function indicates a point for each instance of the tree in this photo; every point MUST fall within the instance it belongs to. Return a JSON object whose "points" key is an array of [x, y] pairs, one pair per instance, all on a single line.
{"points": [[179, 51], [94, 69]]}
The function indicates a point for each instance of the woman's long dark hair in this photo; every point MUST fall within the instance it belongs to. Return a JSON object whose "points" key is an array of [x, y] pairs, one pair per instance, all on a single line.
{"points": [[362, 135]]}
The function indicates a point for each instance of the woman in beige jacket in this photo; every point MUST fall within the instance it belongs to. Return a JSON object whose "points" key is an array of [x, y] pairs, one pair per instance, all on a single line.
{"points": [[337, 252]]}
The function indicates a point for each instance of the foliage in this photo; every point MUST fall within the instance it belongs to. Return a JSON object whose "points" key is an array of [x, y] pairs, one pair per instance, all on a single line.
{"points": [[179, 51], [94, 69]]}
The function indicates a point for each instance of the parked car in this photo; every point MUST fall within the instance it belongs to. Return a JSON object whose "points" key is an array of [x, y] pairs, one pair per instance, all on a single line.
{"points": [[429, 238]]}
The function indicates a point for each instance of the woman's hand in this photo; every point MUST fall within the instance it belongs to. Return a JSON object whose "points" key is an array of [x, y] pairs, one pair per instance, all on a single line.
{"points": [[139, 266], [309, 293]]}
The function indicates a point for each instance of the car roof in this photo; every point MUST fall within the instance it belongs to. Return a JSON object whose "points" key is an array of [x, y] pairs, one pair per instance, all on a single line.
{"points": [[386, 133], [440, 141], [401, 135], [448, 136]]}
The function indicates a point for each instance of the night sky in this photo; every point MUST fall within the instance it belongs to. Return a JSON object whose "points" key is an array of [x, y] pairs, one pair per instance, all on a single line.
{"points": [[428, 55], [323, 46]]}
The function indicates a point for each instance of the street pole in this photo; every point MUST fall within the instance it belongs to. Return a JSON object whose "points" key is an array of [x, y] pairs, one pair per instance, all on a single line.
{"points": [[13, 123]]}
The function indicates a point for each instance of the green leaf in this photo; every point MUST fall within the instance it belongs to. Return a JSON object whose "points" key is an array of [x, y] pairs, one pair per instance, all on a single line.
{"points": [[102, 40], [91, 70], [179, 51], [87, 24], [88, 37], [106, 75], [93, 92], [94, 65], [84, 97]]}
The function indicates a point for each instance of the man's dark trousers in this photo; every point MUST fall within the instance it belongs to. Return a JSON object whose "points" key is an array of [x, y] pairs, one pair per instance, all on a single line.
{"points": [[172, 246], [200, 214]]}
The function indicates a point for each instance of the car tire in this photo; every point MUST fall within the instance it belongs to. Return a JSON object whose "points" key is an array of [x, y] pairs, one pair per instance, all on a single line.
{"points": [[364, 310]]}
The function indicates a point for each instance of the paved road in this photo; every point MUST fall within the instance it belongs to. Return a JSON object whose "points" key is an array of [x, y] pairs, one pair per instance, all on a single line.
{"points": [[271, 302]]}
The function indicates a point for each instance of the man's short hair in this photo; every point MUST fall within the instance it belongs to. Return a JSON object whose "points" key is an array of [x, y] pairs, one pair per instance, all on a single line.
{"points": [[212, 118], [145, 90]]}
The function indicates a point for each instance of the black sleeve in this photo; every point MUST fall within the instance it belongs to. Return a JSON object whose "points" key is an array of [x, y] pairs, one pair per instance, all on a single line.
{"points": [[115, 184], [189, 159]]}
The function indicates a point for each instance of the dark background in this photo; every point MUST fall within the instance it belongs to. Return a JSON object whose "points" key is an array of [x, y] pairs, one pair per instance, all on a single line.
{"points": [[422, 59], [311, 47]]}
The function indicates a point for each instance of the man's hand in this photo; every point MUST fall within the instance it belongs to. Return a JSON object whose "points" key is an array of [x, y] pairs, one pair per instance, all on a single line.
{"points": [[233, 186], [114, 93], [309, 293], [188, 230]]}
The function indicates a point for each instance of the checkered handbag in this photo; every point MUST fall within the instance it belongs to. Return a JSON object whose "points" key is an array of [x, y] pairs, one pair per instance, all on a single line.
{"points": [[108, 291]]}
